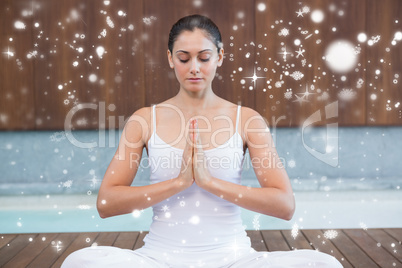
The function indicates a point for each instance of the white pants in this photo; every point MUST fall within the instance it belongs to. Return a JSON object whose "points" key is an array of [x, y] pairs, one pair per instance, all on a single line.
{"points": [[107, 257]]}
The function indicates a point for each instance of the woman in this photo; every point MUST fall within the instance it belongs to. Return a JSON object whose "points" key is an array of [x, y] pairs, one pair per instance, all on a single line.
{"points": [[196, 201]]}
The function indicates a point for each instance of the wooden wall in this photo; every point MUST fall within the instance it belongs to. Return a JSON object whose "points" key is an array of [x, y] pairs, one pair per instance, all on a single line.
{"points": [[49, 56]]}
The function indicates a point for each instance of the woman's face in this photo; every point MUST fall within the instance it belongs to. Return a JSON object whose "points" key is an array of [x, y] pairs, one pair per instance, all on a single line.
{"points": [[195, 59]]}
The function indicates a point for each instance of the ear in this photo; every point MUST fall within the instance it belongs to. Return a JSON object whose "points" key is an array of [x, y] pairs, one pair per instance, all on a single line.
{"points": [[170, 59], [220, 57]]}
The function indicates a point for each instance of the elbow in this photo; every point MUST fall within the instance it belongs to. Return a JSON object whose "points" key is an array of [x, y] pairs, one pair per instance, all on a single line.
{"points": [[102, 209], [289, 211], [289, 214], [102, 213]]}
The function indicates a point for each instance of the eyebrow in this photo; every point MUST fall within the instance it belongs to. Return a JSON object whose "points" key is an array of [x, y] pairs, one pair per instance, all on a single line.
{"points": [[186, 52]]}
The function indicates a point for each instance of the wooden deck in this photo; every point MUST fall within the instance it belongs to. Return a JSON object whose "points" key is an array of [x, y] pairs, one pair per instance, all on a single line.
{"points": [[352, 247]]}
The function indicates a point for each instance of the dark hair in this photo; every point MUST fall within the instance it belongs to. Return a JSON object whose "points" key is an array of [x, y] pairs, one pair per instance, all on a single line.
{"points": [[189, 23]]}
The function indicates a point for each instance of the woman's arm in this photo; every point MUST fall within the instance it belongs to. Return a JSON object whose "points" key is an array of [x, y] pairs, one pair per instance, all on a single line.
{"points": [[275, 197], [116, 195]]}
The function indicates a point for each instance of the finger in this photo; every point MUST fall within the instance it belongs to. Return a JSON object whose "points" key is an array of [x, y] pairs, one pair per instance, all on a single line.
{"points": [[191, 131], [189, 136], [188, 149], [198, 140], [198, 152], [194, 126]]}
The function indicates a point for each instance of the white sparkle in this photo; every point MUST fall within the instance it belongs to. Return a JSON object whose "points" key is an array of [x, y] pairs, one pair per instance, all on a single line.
{"points": [[300, 52], [9, 53], [284, 32], [19, 25], [284, 53], [362, 37], [297, 75], [92, 78], [194, 220], [299, 13], [306, 93], [261, 7], [136, 213], [330, 234], [300, 100], [57, 245], [317, 16], [100, 50], [340, 56], [254, 78], [295, 230], [256, 222]]}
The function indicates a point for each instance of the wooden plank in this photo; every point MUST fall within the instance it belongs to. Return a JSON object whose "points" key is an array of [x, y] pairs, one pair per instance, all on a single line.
{"points": [[320, 243], [353, 248], [396, 233], [126, 240], [140, 241], [57, 83], [83, 240], [299, 242], [53, 251], [381, 17], [274, 240], [5, 239], [369, 245], [68, 57], [314, 39], [388, 242], [106, 239], [14, 247], [33, 249], [121, 67], [352, 252], [257, 242], [17, 106]]}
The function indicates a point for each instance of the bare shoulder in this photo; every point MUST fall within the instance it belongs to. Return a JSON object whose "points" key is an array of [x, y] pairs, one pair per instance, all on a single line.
{"points": [[138, 125], [253, 124], [248, 112], [251, 116], [144, 112], [141, 115]]}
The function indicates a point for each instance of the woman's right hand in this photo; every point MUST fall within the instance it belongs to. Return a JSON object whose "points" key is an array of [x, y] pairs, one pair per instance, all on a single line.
{"points": [[186, 176]]}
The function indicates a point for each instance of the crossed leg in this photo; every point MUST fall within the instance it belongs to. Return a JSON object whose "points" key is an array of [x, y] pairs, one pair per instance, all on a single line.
{"points": [[102, 256], [287, 259]]}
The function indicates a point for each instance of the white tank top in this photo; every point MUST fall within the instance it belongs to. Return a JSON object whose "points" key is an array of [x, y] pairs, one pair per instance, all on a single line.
{"points": [[194, 219]]}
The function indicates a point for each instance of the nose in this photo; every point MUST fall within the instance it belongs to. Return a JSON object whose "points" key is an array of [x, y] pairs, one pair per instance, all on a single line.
{"points": [[195, 67]]}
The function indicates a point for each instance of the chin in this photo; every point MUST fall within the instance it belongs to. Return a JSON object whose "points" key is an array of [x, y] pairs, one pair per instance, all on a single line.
{"points": [[195, 88]]}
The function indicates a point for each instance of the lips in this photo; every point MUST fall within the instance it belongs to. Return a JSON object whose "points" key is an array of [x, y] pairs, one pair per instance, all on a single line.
{"points": [[194, 80]]}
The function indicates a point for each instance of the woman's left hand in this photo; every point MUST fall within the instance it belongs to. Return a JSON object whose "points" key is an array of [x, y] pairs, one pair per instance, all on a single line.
{"points": [[201, 174]]}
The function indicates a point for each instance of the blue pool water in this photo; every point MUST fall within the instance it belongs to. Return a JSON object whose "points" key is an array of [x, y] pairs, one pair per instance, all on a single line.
{"points": [[47, 184], [315, 210]]}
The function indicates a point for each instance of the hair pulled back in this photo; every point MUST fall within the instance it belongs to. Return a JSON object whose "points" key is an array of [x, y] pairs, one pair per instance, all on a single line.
{"points": [[192, 22]]}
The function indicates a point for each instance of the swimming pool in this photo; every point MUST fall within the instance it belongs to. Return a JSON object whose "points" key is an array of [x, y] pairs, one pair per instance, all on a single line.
{"points": [[57, 191], [315, 210]]}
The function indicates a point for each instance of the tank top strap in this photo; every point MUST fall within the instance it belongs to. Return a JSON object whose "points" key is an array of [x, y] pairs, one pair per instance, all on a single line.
{"points": [[153, 119], [237, 118]]}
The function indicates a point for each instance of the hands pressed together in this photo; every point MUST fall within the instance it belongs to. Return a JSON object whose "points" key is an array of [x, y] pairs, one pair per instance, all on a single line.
{"points": [[193, 167]]}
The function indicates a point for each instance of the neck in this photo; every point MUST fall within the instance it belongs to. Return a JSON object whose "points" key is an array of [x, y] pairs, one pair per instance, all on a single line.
{"points": [[195, 101]]}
